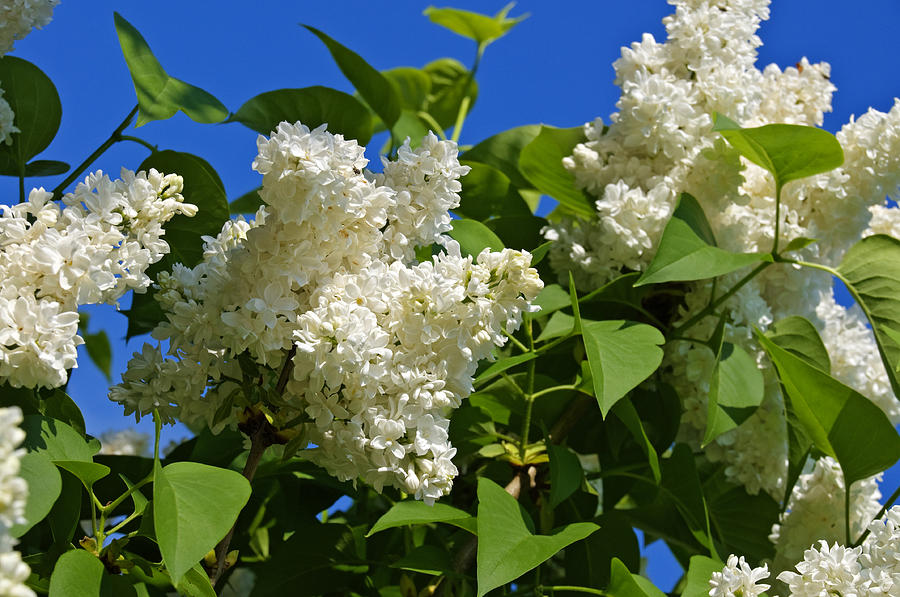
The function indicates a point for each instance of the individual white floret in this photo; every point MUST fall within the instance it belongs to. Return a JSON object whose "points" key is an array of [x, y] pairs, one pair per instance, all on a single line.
{"points": [[738, 579]]}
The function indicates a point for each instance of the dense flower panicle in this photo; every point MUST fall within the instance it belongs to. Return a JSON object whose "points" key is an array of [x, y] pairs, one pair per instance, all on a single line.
{"points": [[13, 492], [19, 17], [383, 345], [738, 579], [660, 144], [91, 249], [815, 511]]}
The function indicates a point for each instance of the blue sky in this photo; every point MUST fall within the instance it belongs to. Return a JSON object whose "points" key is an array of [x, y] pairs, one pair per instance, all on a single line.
{"points": [[555, 67]]}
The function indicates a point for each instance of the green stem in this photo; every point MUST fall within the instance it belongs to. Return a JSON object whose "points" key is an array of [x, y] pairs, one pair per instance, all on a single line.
{"points": [[890, 502], [515, 341], [466, 101], [550, 390], [676, 331], [115, 503], [131, 517], [573, 589], [139, 141], [21, 187], [432, 123], [113, 139]]}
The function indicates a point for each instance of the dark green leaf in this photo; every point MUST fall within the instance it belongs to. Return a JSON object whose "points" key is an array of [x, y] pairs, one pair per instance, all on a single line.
{"points": [[541, 163], [871, 268], [473, 237], [621, 354], [687, 249], [33, 99], [194, 506], [46, 168], [100, 351], [416, 512], [159, 95], [519, 231], [427, 559], [44, 486], [788, 151], [840, 421], [247, 203], [799, 337], [742, 521], [566, 474], [375, 88], [625, 412], [312, 106], [507, 547], [681, 480], [487, 192], [60, 406], [479, 27], [502, 151], [66, 512]]}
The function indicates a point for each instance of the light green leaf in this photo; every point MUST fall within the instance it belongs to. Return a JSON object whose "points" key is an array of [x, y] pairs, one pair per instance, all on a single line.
{"points": [[194, 506], [247, 203], [560, 324], [473, 237], [100, 351], [539, 252], [140, 502], [736, 389], [799, 337], [621, 354], [55, 439], [35, 103], [87, 472], [44, 486], [623, 583], [871, 269], [566, 474], [502, 151], [412, 85], [313, 106], [159, 95], [699, 572], [450, 83], [801, 242], [626, 413], [195, 583], [378, 92], [541, 163], [840, 421], [507, 545], [788, 151], [77, 574], [552, 298], [501, 365], [687, 249], [479, 27], [416, 512]]}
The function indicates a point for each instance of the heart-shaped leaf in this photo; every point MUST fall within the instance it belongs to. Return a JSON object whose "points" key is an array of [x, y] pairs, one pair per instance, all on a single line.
{"points": [[507, 545], [473, 237], [37, 113], [416, 512], [479, 27], [159, 95]]}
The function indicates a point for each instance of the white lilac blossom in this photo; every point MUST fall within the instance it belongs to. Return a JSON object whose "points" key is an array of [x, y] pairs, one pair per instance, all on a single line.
{"points": [[869, 569], [660, 143], [383, 345], [91, 249], [19, 17], [13, 492], [815, 511]]}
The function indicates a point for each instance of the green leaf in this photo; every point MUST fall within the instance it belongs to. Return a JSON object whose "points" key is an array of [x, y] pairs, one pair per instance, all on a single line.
{"points": [[450, 83], [501, 365], [479, 27], [541, 163], [44, 486], [621, 354], [77, 574], [426, 559], [699, 572], [552, 298], [518, 231], [33, 99], [378, 92], [60, 406], [736, 388], [473, 237], [312, 106], [799, 337], [801, 242], [502, 151], [625, 412], [788, 151], [623, 583], [487, 192], [507, 547], [247, 203], [412, 85], [687, 249], [55, 439], [203, 188], [539, 252], [195, 583], [416, 512], [682, 481], [840, 421], [87, 472], [194, 506], [46, 168], [66, 512], [159, 95], [743, 521], [100, 351], [566, 474], [871, 269]]}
